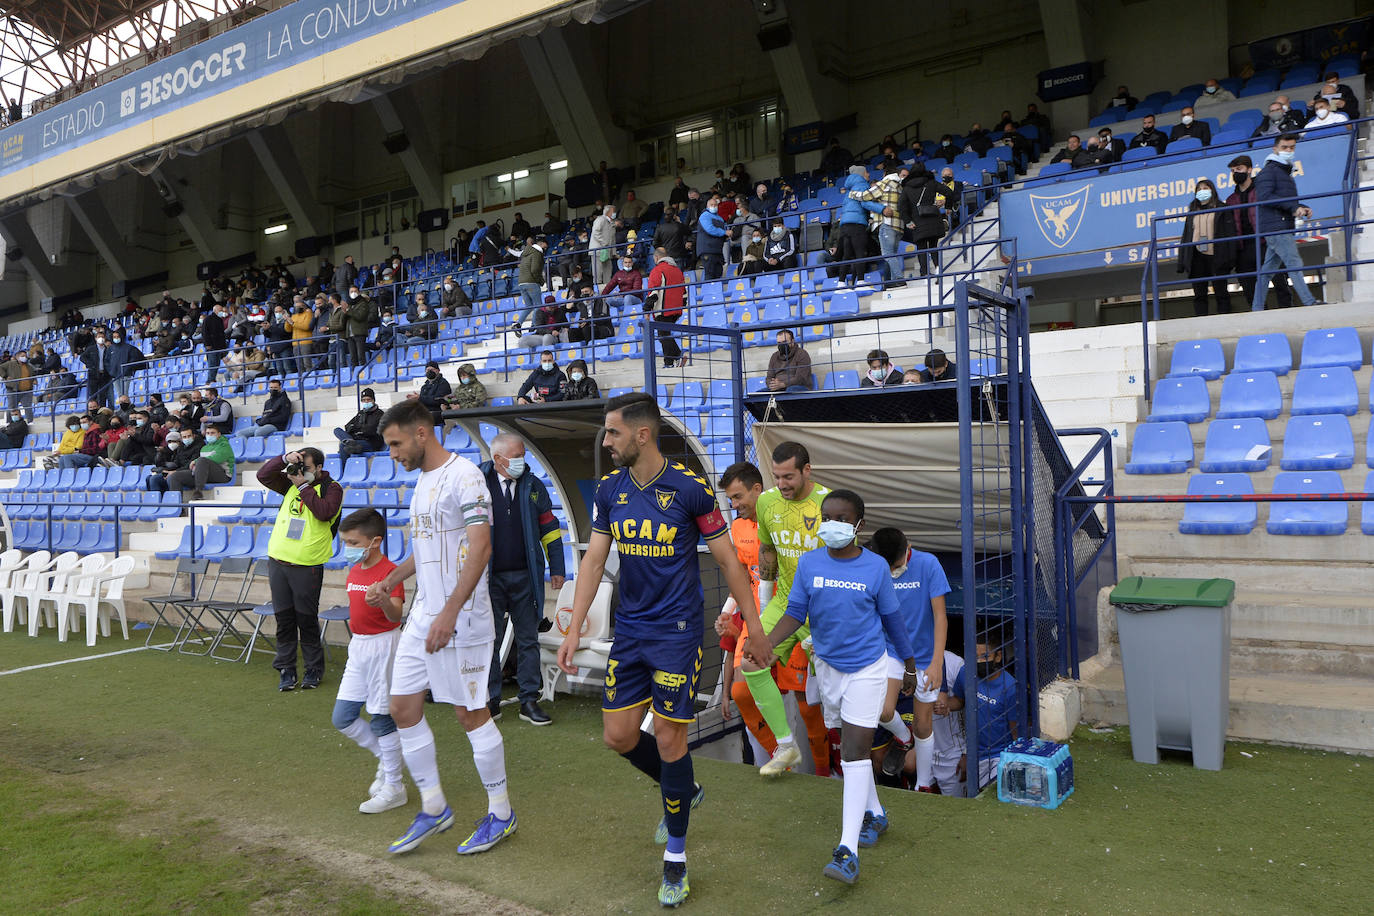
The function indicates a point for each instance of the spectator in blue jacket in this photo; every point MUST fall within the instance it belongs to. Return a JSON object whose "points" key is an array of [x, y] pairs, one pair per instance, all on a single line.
{"points": [[854, 224], [1276, 193], [710, 241]]}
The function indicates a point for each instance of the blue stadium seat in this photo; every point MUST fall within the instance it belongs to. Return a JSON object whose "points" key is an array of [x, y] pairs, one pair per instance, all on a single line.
{"points": [[149, 501], [457, 438], [1250, 394], [1331, 347], [688, 395], [840, 380], [1328, 390], [1263, 353], [1240, 444], [1183, 145], [1182, 398], [1198, 357], [1219, 518], [183, 549], [354, 470], [1318, 442], [1315, 518], [1160, 448], [381, 472]]}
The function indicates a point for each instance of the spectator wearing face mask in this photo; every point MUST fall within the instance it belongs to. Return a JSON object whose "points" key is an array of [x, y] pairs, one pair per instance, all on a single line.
{"points": [[100, 364], [1324, 116], [1205, 249], [423, 328], [19, 379], [789, 367], [1148, 136], [1276, 193], [1279, 121], [360, 435], [214, 464], [174, 455], [1246, 257], [710, 241], [89, 451], [233, 368], [302, 324], [545, 384], [12, 436], [433, 391], [626, 286], [1213, 93], [946, 150], [600, 246], [881, 372], [362, 317], [276, 412], [455, 301], [138, 446], [345, 275], [1114, 148], [1189, 126], [470, 393], [752, 261], [836, 158], [1091, 155], [387, 335], [581, 386], [938, 367], [217, 411], [918, 209], [212, 337], [672, 238], [1340, 97], [780, 248], [69, 444]]}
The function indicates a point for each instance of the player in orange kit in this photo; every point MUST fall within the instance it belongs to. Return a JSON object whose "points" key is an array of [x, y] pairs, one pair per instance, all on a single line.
{"points": [[743, 484]]}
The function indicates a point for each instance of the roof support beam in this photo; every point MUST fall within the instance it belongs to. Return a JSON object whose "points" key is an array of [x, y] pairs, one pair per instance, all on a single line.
{"points": [[581, 117], [399, 114], [90, 211], [17, 233], [283, 168]]}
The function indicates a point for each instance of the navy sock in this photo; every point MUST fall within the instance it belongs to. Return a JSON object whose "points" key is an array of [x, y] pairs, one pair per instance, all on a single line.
{"points": [[645, 757], [678, 786]]}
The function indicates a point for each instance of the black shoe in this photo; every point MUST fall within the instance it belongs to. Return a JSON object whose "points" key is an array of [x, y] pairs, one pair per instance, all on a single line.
{"points": [[531, 713], [312, 680], [494, 707], [288, 680]]}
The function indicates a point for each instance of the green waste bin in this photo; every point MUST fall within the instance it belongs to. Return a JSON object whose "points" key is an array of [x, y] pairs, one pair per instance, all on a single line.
{"points": [[1175, 637]]}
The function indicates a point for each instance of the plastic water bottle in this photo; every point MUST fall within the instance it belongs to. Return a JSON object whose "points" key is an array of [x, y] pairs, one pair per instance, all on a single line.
{"points": [[1026, 784]]}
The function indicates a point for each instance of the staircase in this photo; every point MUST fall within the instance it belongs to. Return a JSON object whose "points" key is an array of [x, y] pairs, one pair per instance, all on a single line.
{"points": [[1302, 625]]}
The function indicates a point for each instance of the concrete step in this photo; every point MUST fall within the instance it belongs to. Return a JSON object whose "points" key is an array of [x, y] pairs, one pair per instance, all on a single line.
{"points": [[1308, 710], [1093, 412], [1261, 573], [1159, 540], [1069, 386]]}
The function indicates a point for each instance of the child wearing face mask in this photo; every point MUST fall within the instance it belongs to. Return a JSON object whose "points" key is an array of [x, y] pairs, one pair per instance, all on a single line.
{"points": [[999, 716], [752, 260], [366, 680], [846, 595], [580, 386]]}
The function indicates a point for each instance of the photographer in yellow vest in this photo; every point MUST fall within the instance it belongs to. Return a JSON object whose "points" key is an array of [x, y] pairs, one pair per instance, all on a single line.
{"points": [[302, 541]]}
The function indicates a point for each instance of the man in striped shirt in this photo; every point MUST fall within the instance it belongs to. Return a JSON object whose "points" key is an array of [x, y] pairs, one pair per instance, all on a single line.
{"points": [[888, 192]]}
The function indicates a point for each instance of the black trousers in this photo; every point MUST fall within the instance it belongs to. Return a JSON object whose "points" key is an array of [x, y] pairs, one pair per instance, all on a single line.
{"points": [[1205, 265], [357, 349], [671, 351], [296, 601], [853, 245], [1246, 262]]}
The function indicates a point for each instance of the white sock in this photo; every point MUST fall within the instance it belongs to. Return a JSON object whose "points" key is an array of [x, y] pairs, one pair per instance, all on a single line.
{"points": [[925, 760], [873, 804], [782, 742], [858, 783], [489, 754], [390, 746], [361, 733], [417, 746], [897, 729]]}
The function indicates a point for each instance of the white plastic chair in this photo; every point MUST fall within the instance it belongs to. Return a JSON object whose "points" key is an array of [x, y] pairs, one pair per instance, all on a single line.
{"points": [[98, 596], [10, 593], [10, 562], [49, 581], [61, 586]]}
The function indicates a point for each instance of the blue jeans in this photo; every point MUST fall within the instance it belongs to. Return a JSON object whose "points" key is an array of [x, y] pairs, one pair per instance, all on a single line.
{"points": [[625, 301], [887, 243], [1283, 252], [511, 594], [264, 430], [155, 482], [75, 460], [531, 297], [212, 361]]}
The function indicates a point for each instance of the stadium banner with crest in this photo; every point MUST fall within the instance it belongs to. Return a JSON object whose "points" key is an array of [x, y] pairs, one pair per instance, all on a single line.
{"points": [[1111, 211]]}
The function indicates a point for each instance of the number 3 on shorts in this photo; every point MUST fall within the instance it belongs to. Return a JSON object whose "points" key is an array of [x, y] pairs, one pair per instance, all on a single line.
{"points": [[610, 672]]}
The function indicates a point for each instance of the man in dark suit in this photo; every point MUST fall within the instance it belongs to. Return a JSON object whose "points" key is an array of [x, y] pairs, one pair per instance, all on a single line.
{"points": [[1113, 147], [1148, 136], [1188, 126]]}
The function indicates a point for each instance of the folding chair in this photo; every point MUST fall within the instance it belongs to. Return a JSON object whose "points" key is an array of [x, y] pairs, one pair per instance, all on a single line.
{"points": [[262, 612], [337, 613], [180, 591], [226, 613]]}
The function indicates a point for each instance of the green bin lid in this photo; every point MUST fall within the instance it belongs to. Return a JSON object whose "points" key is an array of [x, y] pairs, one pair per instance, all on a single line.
{"points": [[1173, 592]]}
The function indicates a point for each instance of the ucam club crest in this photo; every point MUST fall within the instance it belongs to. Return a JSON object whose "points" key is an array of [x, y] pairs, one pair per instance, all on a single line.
{"points": [[1060, 216]]}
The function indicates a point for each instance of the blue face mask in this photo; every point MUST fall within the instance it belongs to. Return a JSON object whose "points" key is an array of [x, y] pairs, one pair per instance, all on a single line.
{"points": [[516, 467], [1203, 195], [835, 534], [1286, 157], [354, 554]]}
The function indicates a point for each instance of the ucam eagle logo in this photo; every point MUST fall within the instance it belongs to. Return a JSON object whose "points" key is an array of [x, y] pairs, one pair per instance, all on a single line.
{"points": [[1060, 216]]}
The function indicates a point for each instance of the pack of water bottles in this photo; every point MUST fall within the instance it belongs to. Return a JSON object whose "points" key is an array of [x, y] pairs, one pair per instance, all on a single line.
{"points": [[1035, 773]]}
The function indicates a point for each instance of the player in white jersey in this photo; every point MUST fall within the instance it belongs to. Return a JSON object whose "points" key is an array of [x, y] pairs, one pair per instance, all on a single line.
{"points": [[446, 645], [948, 729]]}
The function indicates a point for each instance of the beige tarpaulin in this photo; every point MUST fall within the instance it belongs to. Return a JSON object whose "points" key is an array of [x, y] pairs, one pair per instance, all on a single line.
{"points": [[908, 476]]}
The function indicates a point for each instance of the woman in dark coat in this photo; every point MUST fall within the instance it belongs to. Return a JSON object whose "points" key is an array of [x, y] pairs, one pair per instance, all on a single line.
{"points": [[920, 210], [1205, 250]]}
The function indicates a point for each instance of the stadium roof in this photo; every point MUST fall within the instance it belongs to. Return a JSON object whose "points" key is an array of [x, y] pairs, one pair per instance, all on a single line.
{"points": [[47, 46]]}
